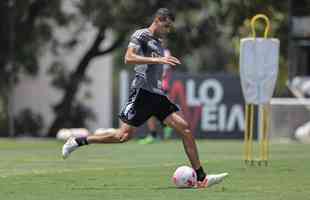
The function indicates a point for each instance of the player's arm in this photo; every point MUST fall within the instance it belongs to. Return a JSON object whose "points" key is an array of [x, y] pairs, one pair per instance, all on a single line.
{"points": [[131, 57]]}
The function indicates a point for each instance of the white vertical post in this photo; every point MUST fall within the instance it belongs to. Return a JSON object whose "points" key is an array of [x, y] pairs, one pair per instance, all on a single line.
{"points": [[124, 88]]}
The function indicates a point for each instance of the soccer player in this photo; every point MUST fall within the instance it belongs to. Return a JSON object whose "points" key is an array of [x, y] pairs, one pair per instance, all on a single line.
{"points": [[147, 98], [151, 122]]}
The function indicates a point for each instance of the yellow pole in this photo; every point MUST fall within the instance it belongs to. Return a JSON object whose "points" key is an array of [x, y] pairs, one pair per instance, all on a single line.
{"points": [[251, 127], [264, 130], [266, 133], [246, 133]]}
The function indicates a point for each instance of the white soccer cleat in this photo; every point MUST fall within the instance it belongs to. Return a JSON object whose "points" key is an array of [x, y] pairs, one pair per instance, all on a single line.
{"points": [[215, 179], [211, 180], [69, 147]]}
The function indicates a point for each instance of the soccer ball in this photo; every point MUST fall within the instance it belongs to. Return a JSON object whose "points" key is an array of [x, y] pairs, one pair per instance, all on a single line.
{"points": [[184, 177], [302, 133]]}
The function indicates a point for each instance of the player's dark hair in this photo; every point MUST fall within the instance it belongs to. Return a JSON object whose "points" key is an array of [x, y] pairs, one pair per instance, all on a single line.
{"points": [[164, 13]]}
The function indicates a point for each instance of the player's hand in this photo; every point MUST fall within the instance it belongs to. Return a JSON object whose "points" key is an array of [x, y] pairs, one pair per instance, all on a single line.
{"points": [[170, 60]]}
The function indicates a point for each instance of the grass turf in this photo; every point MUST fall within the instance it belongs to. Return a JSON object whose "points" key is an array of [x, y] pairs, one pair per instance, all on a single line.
{"points": [[33, 169]]}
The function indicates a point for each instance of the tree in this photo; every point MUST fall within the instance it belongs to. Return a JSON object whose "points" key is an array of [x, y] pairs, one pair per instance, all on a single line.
{"points": [[206, 38], [25, 29], [118, 17], [32, 22]]}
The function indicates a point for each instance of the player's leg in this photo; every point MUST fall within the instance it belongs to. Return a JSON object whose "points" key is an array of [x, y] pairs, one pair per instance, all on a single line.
{"points": [[134, 113], [151, 124], [152, 135], [182, 127], [120, 135], [166, 113]]}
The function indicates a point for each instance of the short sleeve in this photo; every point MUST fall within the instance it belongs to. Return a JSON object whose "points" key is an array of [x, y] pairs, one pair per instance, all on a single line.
{"points": [[137, 39]]}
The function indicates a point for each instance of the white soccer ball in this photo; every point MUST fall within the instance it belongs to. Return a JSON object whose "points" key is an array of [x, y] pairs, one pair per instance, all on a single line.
{"points": [[184, 177], [302, 133]]}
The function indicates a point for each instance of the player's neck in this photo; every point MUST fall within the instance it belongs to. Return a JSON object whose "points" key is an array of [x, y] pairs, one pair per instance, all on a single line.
{"points": [[152, 29]]}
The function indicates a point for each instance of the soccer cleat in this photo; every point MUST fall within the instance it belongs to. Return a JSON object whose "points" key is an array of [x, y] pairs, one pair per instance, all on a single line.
{"points": [[167, 132], [211, 180], [68, 147], [148, 140]]}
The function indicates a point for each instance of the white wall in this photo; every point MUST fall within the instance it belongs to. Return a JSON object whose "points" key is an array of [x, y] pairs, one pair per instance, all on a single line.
{"points": [[37, 94]]}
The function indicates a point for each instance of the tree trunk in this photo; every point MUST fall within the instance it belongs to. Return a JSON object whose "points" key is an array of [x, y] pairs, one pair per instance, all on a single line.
{"points": [[64, 107]]}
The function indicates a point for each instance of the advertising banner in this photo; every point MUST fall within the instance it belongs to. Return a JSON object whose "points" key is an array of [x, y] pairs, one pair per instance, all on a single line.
{"points": [[212, 104]]}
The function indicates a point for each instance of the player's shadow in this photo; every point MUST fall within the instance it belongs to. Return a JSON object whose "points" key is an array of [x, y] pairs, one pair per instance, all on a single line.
{"points": [[129, 188], [171, 188]]}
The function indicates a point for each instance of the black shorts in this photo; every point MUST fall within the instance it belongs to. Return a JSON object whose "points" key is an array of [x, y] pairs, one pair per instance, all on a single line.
{"points": [[142, 104]]}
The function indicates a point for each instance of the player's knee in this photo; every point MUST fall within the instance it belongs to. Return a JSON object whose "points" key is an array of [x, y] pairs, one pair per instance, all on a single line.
{"points": [[187, 132], [186, 128], [124, 136]]}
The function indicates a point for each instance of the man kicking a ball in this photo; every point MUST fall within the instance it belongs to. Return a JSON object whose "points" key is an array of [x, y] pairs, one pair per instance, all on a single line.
{"points": [[147, 98]]}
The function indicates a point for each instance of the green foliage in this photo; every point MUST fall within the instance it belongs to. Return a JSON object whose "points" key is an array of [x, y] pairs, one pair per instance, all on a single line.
{"points": [[206, 37], [25, 29]]}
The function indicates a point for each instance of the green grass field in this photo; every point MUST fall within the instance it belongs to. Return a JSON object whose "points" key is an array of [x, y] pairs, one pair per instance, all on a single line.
{"points": [[33, 169]]}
